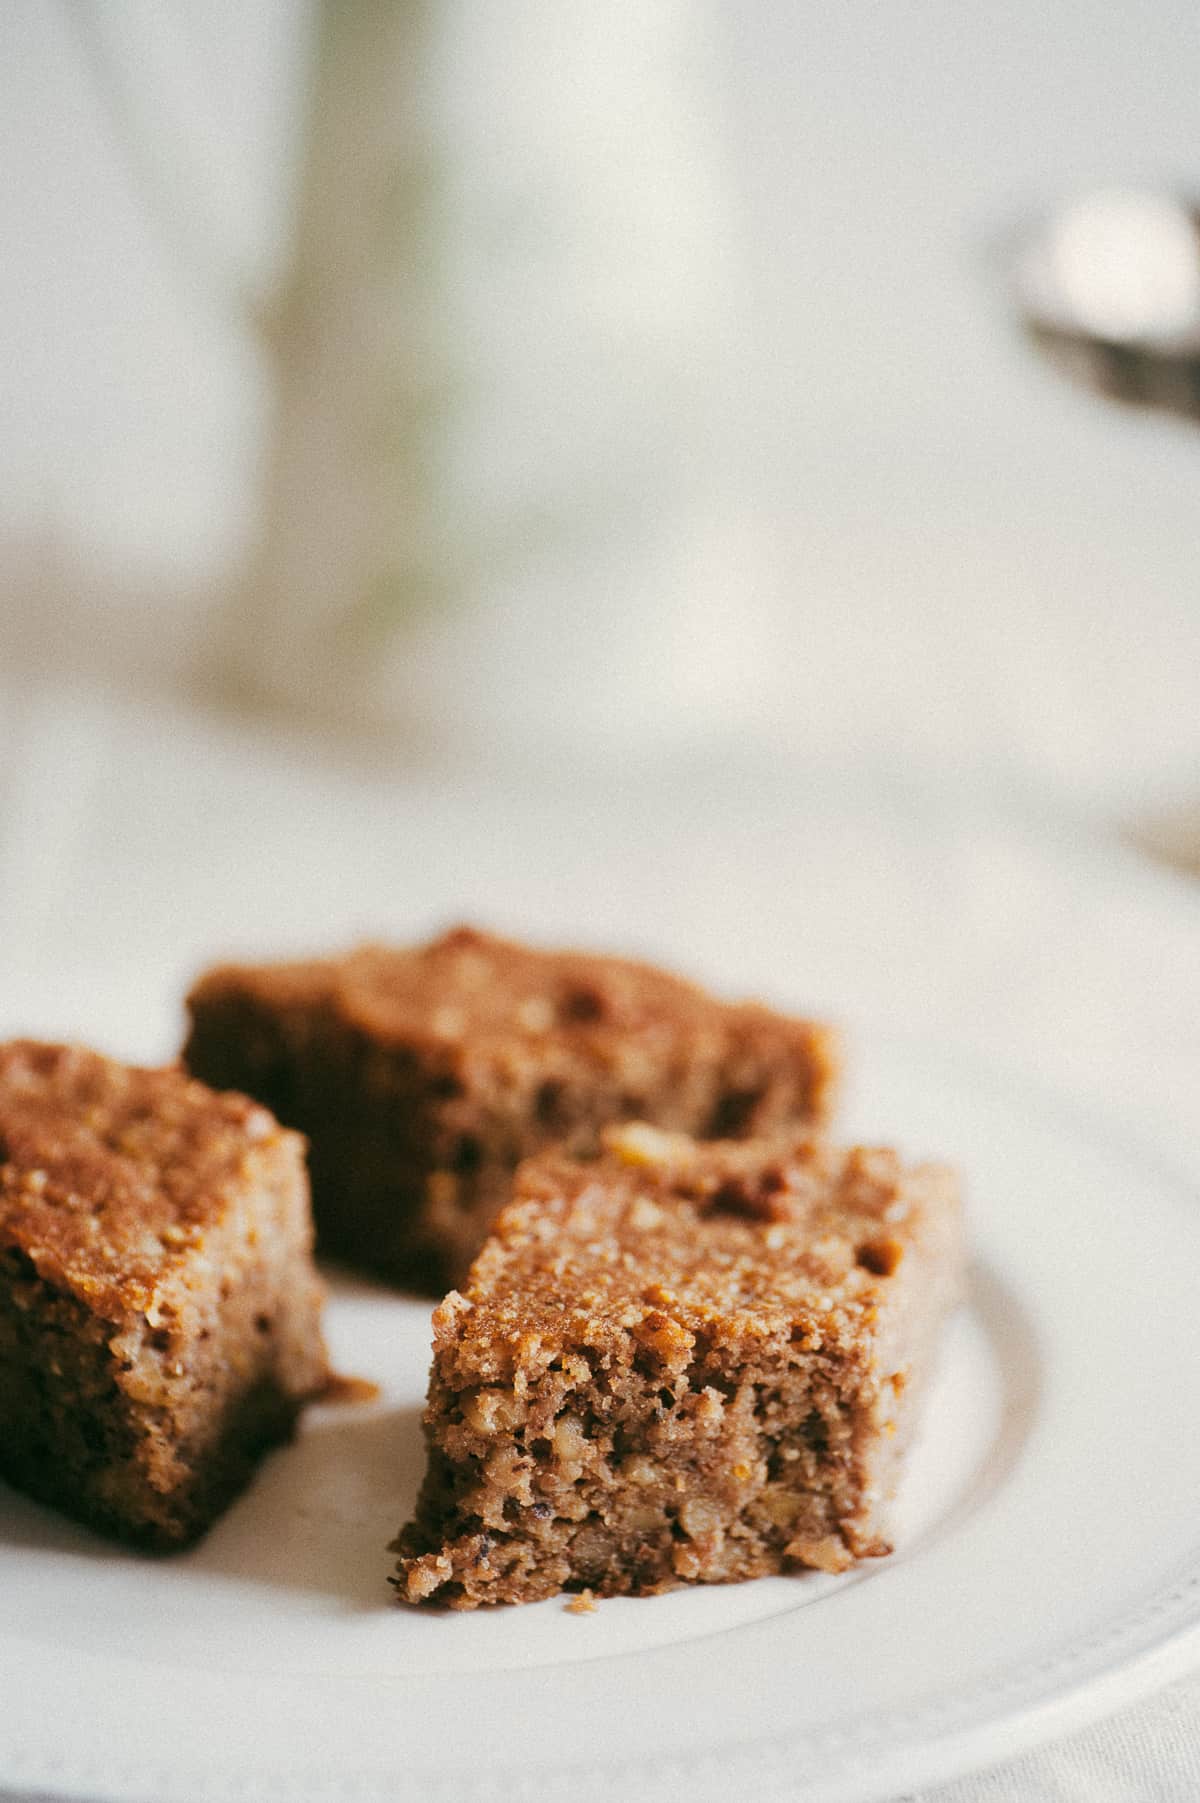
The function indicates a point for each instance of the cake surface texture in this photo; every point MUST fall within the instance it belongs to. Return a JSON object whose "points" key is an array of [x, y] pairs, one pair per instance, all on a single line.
{"points": [[423, 1077], [160, 1314], [681, 1362]]}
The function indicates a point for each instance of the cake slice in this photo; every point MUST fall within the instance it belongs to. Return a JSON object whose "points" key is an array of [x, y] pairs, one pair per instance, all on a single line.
{"points": [[422, 1077], [159, 1309], [681, 1363]]}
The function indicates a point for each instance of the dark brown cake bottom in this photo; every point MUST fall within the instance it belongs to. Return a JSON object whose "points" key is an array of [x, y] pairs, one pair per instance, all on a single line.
{"points": [[680, 1363]]}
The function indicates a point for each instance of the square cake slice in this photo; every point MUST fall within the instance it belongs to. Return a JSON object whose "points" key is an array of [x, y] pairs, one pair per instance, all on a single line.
{"points": [[160, 1315], [423, 1077], [681, 1363]]}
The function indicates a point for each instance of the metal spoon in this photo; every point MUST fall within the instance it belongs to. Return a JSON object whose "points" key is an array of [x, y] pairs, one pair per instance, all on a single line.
{"points": [[1109, 288]]}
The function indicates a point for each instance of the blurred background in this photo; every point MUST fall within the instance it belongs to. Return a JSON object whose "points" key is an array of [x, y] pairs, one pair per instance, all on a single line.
{"points": [[677, 341], [582, 468]]}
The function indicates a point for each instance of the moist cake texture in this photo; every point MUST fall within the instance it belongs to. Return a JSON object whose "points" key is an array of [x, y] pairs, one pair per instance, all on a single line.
{"points": [[159, 1309], [680, 1363], [423, 1077]]}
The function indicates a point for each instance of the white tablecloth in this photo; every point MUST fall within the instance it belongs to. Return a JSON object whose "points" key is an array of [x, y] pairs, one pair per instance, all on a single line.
{"points": [[137, 842]]}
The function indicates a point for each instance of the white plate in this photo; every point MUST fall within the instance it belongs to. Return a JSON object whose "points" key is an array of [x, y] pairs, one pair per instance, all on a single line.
{"points": [[1048, 1562]]}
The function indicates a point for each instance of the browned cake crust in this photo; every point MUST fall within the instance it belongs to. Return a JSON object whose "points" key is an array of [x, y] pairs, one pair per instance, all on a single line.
{"points": [[159, 1309], [680, 1363], [422, 1077]]}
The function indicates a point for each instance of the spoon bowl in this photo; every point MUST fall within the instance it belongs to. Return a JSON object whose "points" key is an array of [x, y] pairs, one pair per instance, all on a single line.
{"points": [[1109, 289]]}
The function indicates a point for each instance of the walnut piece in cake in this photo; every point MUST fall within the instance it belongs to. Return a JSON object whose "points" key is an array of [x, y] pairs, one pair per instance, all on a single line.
{"points": [[422, 1077], [681, 1362], [160, 1315]]}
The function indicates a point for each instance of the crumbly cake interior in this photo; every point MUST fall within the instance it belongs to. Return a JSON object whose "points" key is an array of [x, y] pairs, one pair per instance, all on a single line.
{"points": [[423, 1077], [680, 1363], [159, 1310]]}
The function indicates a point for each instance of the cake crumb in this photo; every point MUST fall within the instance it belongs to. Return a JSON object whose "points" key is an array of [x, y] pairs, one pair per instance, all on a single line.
{"points": [[583, 1604], [340, 1387]]}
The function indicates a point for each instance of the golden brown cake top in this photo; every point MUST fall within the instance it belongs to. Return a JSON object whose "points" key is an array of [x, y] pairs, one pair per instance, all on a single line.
{"points": [[467, 984], [110, 1173], [674, 1240]]}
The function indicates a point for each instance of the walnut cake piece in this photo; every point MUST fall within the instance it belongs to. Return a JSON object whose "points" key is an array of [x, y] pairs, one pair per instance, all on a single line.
{"points": [[423, 1077], [160, 1315], [681, 1363]]}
